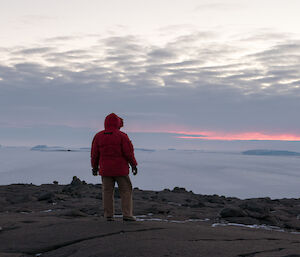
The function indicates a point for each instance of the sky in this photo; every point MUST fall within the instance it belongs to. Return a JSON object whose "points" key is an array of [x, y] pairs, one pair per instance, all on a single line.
{"points": [[197, 69]]}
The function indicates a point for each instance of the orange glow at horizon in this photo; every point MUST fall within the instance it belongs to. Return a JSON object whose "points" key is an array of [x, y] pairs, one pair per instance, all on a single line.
{"points": [[210, 135]]}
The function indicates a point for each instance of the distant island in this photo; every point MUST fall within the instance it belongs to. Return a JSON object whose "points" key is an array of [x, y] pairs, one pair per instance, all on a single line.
{"points": [[271, 152], [144, 149], [50, 148]]}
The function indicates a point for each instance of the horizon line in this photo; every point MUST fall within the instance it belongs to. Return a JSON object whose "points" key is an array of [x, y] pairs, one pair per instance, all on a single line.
{"points": [[223, 136]]}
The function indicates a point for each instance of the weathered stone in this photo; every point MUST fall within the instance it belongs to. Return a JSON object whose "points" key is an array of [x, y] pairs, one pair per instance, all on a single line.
{"points": [[179, 190], [255, 210], [46, 196], [76, 181], [214, 199], [232, 212], [254, 207]]}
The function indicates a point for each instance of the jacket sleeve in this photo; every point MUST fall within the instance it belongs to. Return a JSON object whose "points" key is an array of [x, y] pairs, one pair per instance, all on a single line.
{"points": [[95, 154], [128, 151]]}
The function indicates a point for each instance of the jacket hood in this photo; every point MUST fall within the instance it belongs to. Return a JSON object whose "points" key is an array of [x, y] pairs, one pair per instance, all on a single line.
{"points": [[112, 121]]}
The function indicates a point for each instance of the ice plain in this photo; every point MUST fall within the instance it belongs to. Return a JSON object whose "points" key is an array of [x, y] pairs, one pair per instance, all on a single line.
{"points": [[228, 173]]}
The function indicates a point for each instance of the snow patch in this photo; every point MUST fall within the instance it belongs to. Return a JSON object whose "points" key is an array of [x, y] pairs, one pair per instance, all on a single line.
{"points": [[263, 226]]}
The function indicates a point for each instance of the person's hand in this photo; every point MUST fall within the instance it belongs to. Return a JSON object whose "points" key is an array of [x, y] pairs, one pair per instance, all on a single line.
{"points": [[134, 170], [95, 171]]}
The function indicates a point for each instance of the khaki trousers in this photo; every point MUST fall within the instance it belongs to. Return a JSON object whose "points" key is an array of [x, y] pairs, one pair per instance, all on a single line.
{"points": [[125, 189]]}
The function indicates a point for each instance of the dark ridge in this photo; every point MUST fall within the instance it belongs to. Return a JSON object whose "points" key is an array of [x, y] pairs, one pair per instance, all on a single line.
{"points": [[271, 152]]}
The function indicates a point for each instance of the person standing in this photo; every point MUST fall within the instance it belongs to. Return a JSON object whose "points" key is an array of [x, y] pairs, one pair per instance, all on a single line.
{"points": [[111, 154]]}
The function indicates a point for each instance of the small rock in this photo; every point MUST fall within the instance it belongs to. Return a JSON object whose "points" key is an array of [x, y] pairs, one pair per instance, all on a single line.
{"points": [[179, 190], [45, 196], [200, 204], [232, 212], [55, 182], [271, 220], [76, 181], [214, 199]]}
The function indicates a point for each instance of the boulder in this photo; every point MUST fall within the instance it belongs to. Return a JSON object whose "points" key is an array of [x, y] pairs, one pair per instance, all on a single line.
{"points": [[255, 209], [232, 212], [76, 181]]}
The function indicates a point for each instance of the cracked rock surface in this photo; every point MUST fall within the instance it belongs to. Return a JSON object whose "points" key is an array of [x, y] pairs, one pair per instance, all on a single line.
{"points": [[66, 220]]}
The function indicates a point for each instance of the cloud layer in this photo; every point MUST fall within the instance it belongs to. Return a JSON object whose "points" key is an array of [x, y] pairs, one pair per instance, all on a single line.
{"points": [[194, 82]]}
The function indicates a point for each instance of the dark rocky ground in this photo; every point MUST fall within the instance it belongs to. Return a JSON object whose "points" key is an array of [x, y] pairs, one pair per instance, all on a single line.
{"points": [[66, 220]]}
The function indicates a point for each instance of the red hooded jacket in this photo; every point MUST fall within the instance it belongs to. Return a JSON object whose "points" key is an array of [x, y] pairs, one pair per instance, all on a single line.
{"points": [[112, 150]]}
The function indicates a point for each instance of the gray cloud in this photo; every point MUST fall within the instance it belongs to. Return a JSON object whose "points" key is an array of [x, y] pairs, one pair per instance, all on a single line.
{"points": [[199, 86], [160, 54], [61, 39], [266, 34], [35, 50]]}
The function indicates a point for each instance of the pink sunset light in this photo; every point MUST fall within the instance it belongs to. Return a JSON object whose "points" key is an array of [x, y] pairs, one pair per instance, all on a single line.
{"points": [[211, 135]]}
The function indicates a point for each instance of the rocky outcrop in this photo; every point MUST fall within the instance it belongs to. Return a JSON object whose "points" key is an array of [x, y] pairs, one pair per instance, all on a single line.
{"points": [[80, 199]]}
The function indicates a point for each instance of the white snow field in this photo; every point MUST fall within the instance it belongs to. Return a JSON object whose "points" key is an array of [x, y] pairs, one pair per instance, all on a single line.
{"points": [[222, 173]]}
